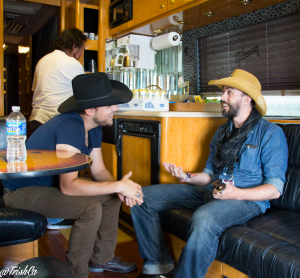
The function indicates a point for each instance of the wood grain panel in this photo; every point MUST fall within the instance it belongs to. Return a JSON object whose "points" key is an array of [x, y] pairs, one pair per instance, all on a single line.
{"points": [[71, 16], [103, 32], [136, 157], [223, 9], [62, 15], [77, 14], [173, 4], [186, 145], [109, 153], [13, 255], [144, 12], [91, 45]]}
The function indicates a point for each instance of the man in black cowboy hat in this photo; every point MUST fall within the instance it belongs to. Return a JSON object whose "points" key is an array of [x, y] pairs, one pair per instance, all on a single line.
{"points": [[92, 203]]}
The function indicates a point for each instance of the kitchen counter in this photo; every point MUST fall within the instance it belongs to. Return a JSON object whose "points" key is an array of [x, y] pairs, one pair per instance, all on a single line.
{"points": [[176, 114], [169, 114]]}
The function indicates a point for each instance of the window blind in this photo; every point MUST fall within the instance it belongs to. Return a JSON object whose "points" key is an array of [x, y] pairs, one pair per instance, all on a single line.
{"points": [[269, 50]]}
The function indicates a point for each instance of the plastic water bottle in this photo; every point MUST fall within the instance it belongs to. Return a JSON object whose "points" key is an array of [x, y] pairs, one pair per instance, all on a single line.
{"points": [[16, 136]]}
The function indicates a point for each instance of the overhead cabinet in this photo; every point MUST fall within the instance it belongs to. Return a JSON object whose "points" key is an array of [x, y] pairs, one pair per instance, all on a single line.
{"points": [[144, 11], [147, 11]]}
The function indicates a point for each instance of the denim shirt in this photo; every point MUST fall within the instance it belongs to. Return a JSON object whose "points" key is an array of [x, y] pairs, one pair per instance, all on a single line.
{"points": [[262, 159]]}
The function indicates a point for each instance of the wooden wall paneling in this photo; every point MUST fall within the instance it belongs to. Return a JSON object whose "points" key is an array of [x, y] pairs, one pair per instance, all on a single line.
{"points": [[144, 12], [79, 21], [13, 255], [187, 144], [109, 153], [77, 14], [223, 9], [62, 15], [1, 61], [148, 15], [103, 32], [136, 157], [71, 21]]}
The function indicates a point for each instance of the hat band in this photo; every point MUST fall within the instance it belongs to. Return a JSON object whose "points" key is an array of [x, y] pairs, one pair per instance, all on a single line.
{"points": [[91, 99]]}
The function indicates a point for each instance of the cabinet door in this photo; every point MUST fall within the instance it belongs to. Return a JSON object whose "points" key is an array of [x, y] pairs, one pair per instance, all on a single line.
{"points": [[136, 157], [145, 10], [172, 4]]}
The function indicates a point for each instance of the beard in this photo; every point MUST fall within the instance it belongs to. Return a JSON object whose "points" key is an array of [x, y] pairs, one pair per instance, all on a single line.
{"points": [[102, 123], [233, 109]]}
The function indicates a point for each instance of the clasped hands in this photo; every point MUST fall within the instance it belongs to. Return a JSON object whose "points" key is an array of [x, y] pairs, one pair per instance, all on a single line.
{"points": [[131, 193]]}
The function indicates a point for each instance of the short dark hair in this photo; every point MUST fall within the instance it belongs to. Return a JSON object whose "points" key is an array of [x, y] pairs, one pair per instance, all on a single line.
{"points": [[68, 38]]}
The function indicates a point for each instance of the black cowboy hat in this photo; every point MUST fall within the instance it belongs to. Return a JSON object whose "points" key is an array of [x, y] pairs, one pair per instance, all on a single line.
{"points": [[95, 90]]}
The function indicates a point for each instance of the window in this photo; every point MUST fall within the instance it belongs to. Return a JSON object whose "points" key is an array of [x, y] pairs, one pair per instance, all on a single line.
{"points": [[270, 50]]}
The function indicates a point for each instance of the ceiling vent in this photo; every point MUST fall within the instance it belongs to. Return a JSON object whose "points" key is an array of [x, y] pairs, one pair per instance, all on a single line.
{"points": [[21, 7]]}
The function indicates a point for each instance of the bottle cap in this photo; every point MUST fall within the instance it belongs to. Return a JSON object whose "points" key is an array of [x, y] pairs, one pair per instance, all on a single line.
{"points": [[15, 108]]}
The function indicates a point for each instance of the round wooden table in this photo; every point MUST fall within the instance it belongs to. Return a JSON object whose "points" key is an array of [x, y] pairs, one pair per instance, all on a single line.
{"points": [[43, 163]]}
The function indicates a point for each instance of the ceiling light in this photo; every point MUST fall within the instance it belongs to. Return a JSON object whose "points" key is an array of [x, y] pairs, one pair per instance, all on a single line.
{"points": [[5, 46], [23, 49], [245, 2], [209, 13]]}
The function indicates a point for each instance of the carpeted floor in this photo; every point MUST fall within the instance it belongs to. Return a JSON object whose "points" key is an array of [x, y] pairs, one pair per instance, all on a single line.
{"points": [[124, 234]]}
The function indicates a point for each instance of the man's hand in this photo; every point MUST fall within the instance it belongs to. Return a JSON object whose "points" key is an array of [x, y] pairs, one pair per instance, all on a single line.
{"points": [[175, 171], [128, 201], [259, 193], [130, 189], [230, 192]]}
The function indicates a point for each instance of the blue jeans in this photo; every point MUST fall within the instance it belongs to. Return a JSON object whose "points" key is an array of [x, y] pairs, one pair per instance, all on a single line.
{"points": [[210, 219]]}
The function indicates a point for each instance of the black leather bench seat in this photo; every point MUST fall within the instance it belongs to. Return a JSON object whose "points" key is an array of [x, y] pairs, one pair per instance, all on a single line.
{"points": [[20, 226], [283, 225], [258, 254]]}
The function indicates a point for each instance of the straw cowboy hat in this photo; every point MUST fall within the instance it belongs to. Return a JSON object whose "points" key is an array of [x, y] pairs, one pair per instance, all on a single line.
{"points": [[247, 83], [95, 90]]}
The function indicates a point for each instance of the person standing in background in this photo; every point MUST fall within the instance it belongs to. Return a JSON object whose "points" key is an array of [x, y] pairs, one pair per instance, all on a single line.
{"points": [[52, 85], [53, 76]]}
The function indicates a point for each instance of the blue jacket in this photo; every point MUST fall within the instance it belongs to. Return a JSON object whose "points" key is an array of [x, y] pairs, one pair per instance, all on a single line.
{"points": [[262, 159]]}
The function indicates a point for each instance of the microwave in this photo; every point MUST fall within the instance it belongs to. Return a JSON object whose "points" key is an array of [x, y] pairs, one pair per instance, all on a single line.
{"points": [[120, 11]]}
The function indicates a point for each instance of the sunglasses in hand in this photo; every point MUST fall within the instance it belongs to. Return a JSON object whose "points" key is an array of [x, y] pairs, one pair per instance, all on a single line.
{"points": [[219, 186]]}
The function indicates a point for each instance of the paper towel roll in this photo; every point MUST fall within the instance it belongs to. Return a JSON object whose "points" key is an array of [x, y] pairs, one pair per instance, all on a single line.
{"points": [[166, 41]]}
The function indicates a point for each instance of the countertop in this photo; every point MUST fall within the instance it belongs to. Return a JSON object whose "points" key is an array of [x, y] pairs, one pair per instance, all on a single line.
{"points": [[177, 114], [167, 114]]}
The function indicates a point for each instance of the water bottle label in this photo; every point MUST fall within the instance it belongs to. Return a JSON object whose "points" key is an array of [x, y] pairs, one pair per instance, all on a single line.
{"points": [[13, 128]]}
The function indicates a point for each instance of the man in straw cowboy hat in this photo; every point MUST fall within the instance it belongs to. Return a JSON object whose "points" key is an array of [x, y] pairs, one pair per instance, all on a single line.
{"points": [[245, 169], [92, 203]]}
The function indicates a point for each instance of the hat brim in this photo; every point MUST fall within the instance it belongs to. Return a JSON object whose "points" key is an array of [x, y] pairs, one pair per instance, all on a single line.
{"points": [[120, 94], [246, 87]]}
